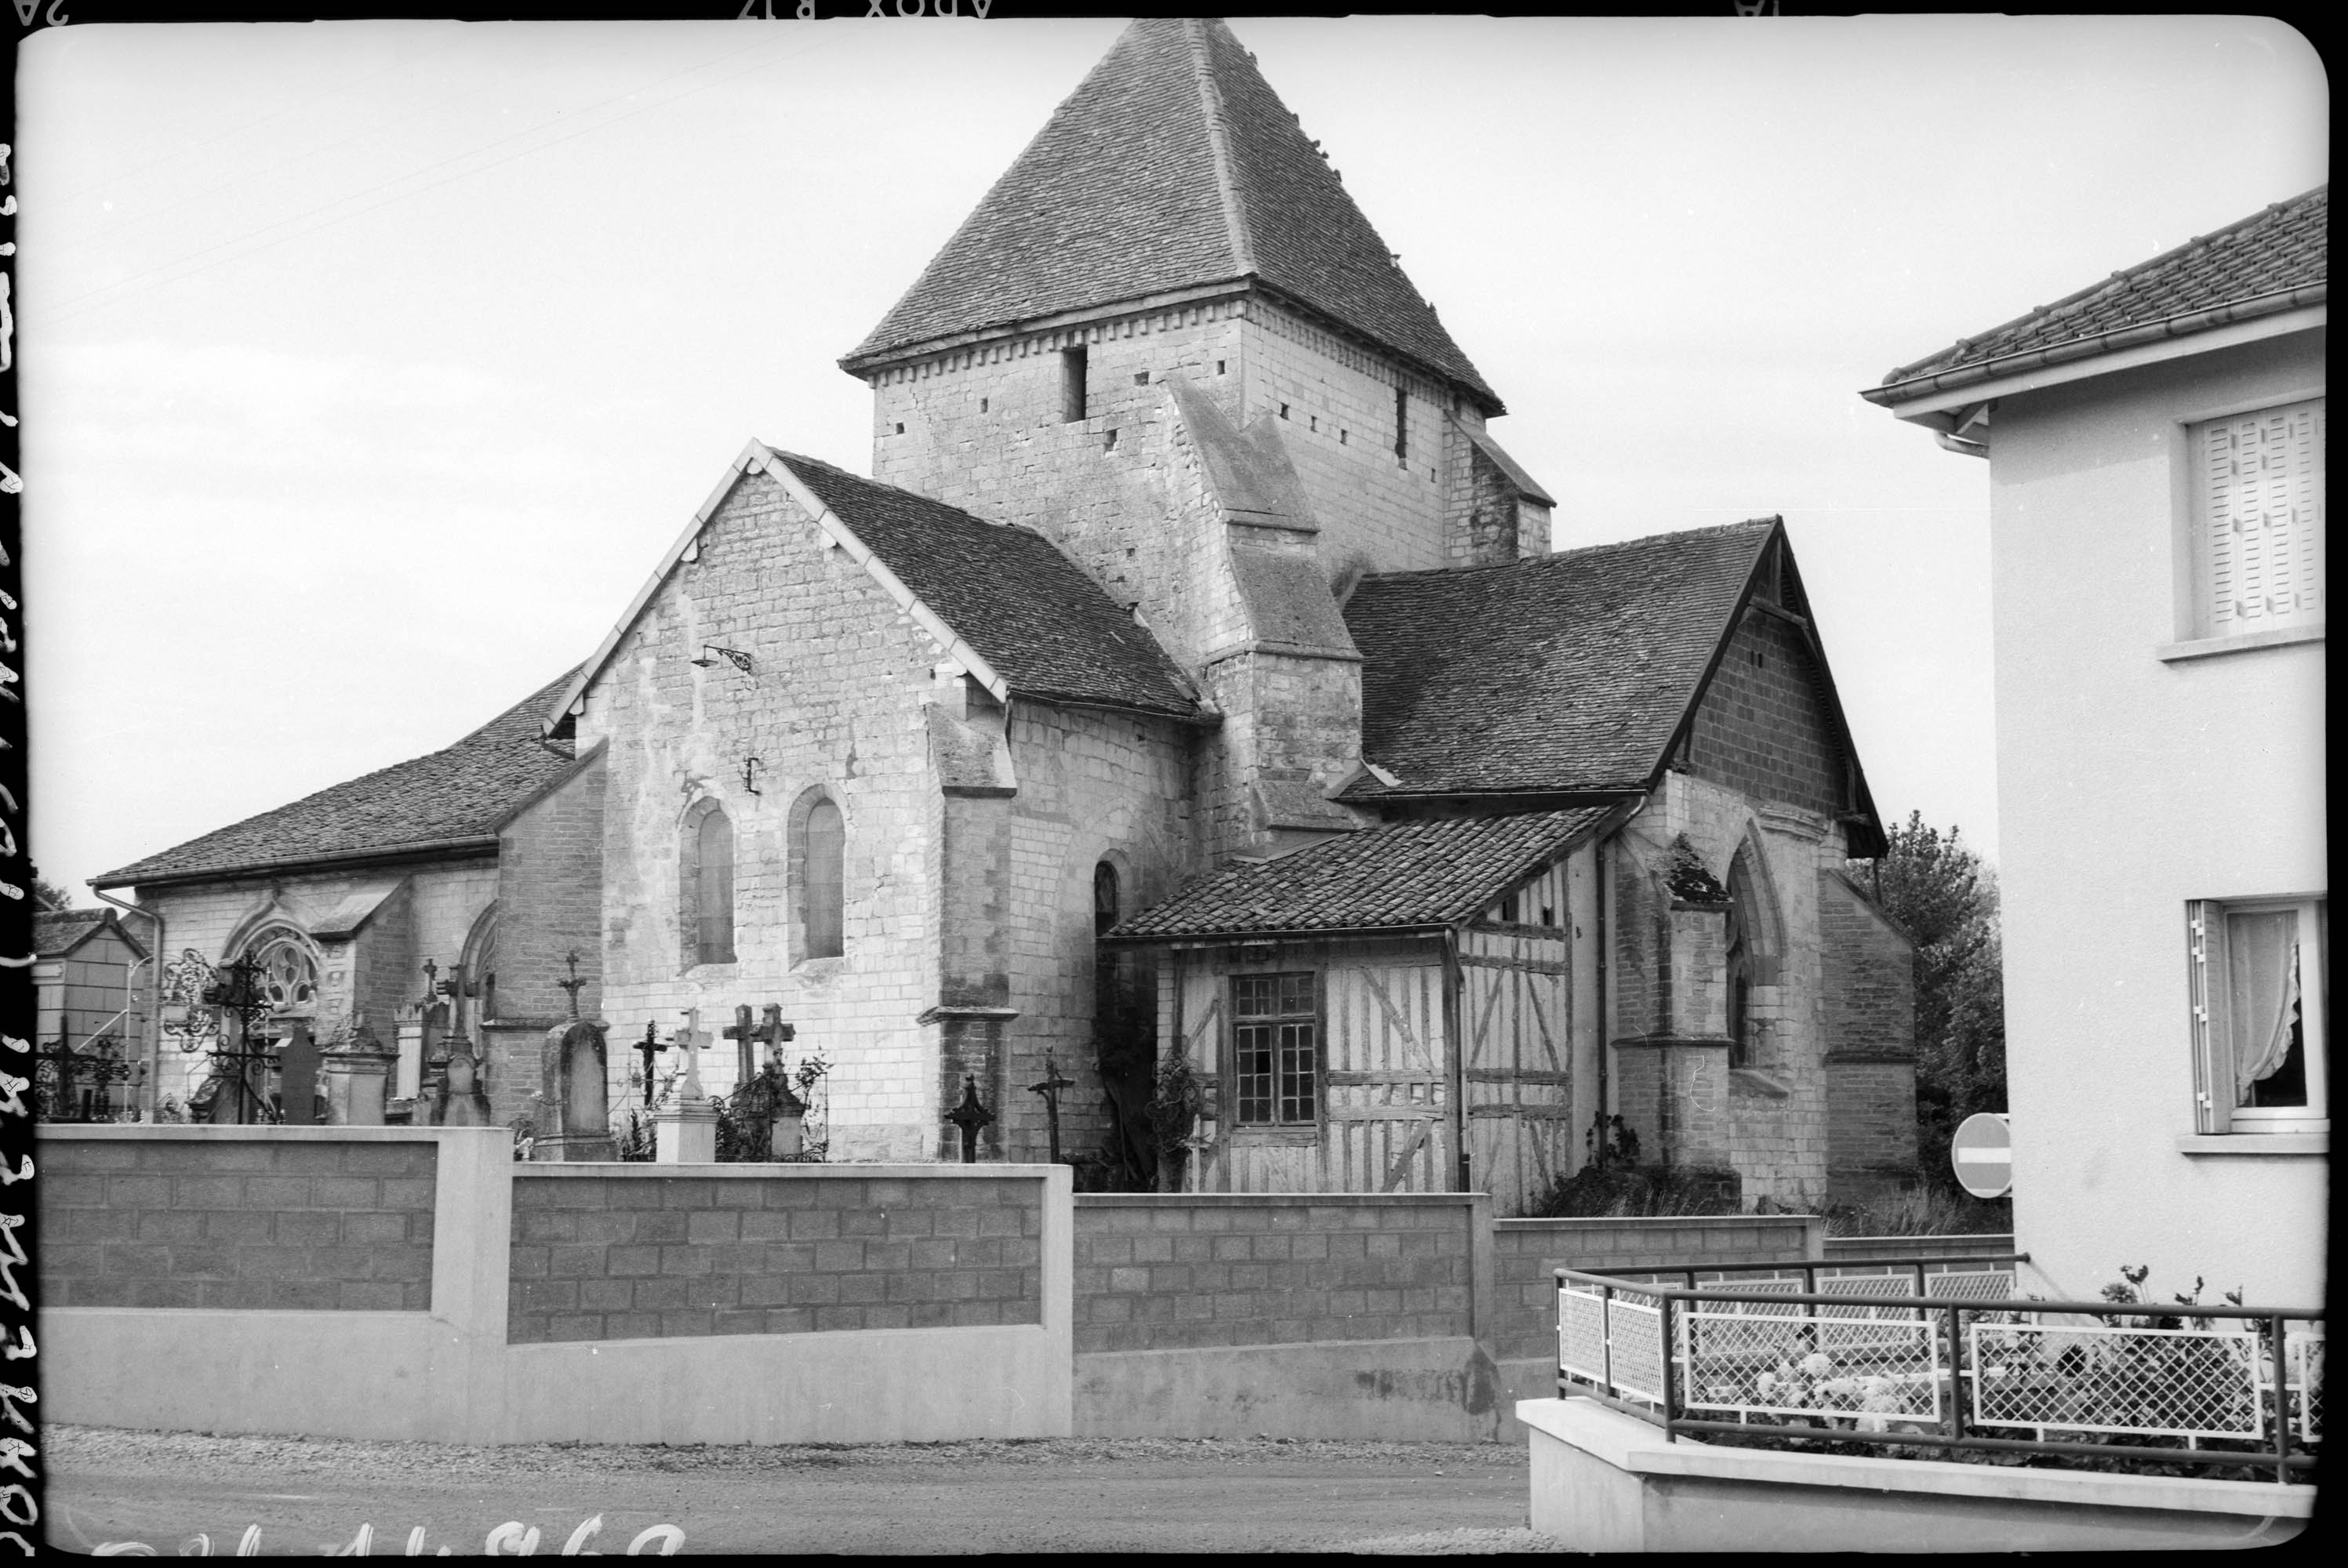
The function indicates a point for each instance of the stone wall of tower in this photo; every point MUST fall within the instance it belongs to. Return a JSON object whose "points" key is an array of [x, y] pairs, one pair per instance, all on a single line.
{"points": [[1378, 512], [982, 428]]}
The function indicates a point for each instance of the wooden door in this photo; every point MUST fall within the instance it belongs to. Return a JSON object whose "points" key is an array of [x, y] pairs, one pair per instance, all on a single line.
{"points": [[1516, 1002]]}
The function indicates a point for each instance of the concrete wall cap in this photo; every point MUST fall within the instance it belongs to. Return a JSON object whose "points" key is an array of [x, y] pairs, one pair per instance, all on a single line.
{"points": [[1629, 1443]]}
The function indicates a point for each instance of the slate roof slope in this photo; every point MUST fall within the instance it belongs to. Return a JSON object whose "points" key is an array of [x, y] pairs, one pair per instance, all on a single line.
{"points": [[1397, 875], [57, 932], [1566, 673], [453, 797], [2266, 256], [1173, 165], [1028, 610]]}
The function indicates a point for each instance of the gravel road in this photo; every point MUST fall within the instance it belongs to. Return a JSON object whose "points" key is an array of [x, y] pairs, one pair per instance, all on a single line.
{"points": [[1073, 1494]]}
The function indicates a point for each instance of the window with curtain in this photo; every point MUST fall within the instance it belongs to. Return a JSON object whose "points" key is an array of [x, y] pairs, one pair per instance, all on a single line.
{"points": [[2260, 973], [823, 887]]}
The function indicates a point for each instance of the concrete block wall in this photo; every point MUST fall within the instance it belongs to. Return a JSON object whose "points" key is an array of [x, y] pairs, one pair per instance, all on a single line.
{"points": [[252, 1223], [451, 1373], [643, 1253], [1167, 1272], [1527, 1253], [846, 719]]}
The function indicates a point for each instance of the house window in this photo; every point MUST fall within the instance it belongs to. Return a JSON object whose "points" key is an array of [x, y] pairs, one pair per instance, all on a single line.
{"points": [[1275, 1055], [2259, 519], [1072, 384], [824, 836], [706, 887], [2261, 989]]}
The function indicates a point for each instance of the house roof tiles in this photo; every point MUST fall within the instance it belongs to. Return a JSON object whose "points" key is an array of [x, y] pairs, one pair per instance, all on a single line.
{"points": [[1397, 875], [2266, 256], [1567, 673], [460, 793], [1172, 165], [1009, 592]]}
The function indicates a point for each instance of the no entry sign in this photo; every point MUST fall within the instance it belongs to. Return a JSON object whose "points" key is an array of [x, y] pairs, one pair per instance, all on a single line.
{"points": [[1983, 1153]]}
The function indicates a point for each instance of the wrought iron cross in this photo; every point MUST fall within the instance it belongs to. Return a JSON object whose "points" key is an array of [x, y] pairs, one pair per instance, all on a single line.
{"points": [[969, 1116], [1050, 1090], [651, 1044]]}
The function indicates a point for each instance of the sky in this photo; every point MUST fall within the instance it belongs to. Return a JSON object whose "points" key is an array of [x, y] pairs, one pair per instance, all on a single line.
{"points": [[367, 368]]}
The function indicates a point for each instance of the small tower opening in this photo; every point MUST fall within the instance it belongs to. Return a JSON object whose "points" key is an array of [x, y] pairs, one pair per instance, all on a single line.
{"points": [[1402, 424], [1072, 384]]}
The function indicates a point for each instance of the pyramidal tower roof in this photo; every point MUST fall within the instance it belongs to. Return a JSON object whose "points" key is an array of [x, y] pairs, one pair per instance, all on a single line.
{"points": [[1173, 167]]}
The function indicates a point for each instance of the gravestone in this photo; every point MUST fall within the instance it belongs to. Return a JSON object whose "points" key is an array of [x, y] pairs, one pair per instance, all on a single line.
{"points": [[357, 1074], [297, 1078], [574, 1069], [462, 1102]]}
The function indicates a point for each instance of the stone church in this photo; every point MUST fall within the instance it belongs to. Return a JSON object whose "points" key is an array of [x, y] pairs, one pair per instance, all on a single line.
{"points": [[1194, 690]]}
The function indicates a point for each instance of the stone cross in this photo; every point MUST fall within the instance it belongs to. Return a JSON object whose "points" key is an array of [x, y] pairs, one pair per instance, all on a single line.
{"points": [[774, 1031], [692, 1036], [744, 1037]]}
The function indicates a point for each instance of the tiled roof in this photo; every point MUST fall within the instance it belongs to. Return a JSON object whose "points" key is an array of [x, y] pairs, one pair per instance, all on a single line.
{"points": [[1028, 610], [54, 931], [1569, 673], [449, 797], [1399, 874], [1173, 165], [2273, 251]]}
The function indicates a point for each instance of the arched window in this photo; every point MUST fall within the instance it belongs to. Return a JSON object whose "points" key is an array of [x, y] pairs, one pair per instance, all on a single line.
{"points": [[706, 887], [289, 972], [1752, 955], [823, 876], [1105, 959]]}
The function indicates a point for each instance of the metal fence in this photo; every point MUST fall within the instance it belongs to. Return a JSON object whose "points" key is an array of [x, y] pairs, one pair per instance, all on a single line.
{"points": [[1938, 1355]]}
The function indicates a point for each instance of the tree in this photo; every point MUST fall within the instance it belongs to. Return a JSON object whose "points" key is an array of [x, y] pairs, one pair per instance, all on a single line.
{"points": [[48, 897], [1937, 888]]}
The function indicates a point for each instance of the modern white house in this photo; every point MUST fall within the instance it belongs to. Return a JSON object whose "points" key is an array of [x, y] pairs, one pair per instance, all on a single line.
{"points": [[2156, 452]]}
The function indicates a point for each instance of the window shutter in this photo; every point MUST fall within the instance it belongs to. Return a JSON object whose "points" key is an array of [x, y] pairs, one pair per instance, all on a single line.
{"points": [[2263, 518], [2213, 1033]]}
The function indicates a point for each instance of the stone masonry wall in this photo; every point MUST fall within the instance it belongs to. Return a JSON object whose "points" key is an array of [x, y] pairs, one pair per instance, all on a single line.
{"points": [[1093, 786], [660, 1256], [835, 704], [1156, 1272], [262, 1225], [1526, 1253], [1762, 728]]}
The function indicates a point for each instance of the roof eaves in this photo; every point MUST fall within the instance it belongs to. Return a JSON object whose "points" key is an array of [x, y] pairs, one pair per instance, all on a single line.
{"points": [[1899, 387], [862, 358], [1217, 936], [2078, 296], [466, 847]]}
